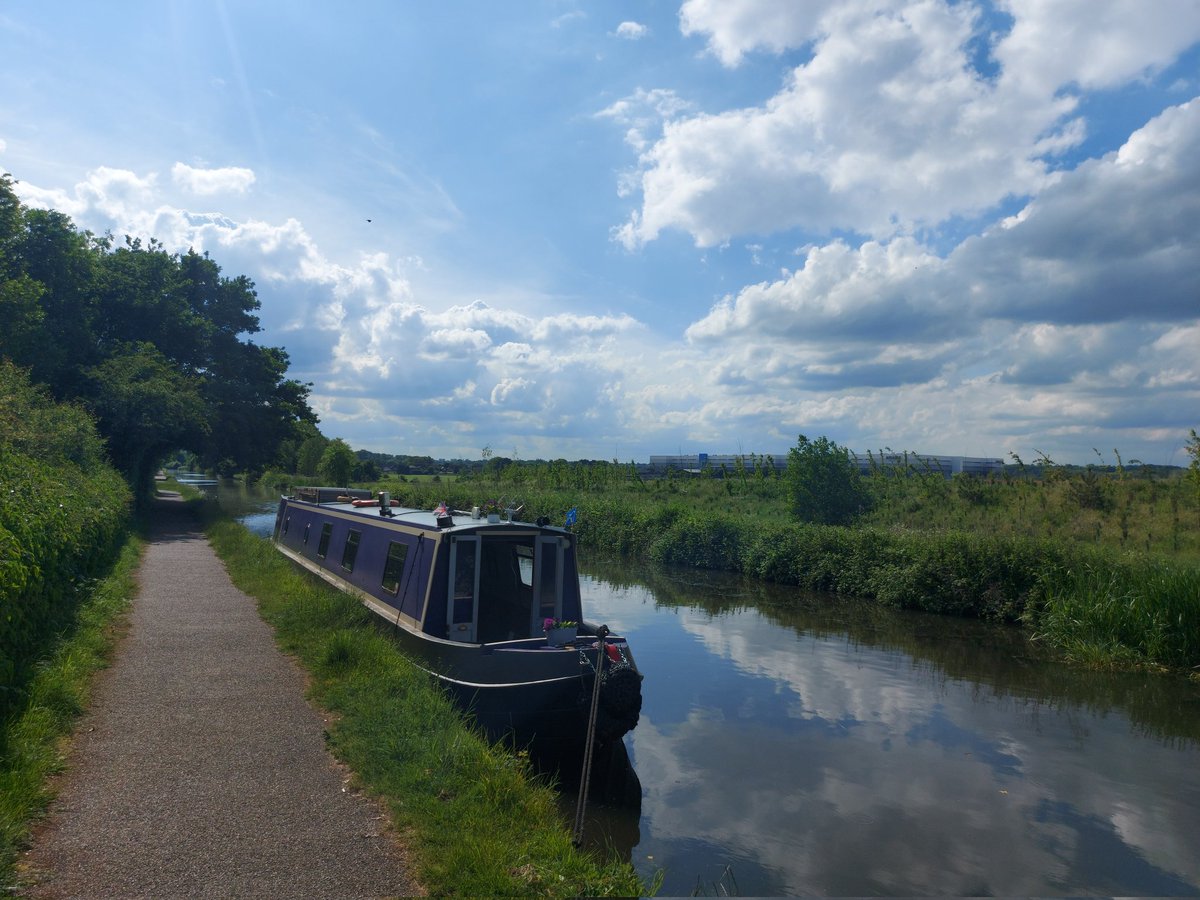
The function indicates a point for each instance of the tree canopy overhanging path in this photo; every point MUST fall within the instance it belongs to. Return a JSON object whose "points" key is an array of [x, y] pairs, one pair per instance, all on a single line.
{"points": [[200, 769]]}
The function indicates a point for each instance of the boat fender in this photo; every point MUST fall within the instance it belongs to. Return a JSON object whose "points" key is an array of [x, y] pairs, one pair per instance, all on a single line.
{"points": [[620, 703]]}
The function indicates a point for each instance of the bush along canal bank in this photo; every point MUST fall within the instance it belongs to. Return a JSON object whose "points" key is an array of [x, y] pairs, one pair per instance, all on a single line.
{"points": [[476, 818], [66, 576], [1094, 605], [32, 739]]}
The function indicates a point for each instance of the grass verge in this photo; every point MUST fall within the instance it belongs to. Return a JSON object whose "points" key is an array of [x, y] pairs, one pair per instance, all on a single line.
{"points": [[32, 741], [475, 818]]}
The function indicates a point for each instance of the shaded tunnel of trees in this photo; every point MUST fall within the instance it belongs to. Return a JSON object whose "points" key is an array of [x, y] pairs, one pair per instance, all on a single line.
{"points": [[155, 345]]}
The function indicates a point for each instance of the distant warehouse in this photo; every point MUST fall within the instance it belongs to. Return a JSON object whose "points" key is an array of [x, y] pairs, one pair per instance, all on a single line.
{"points": [[920, 463]]}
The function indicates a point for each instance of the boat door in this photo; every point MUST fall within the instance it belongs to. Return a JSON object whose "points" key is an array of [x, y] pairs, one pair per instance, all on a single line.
{"points": [[547, 581], [462, 610]]}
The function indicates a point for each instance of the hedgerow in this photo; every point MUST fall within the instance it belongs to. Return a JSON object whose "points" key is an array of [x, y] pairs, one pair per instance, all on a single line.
{"points": [[63, 514]]}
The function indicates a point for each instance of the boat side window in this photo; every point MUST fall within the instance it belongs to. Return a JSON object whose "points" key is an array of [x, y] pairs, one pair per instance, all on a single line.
{"points": [[323, 545], [307, 529], [350, 551], [525, 565], [393, 569], [286, 522]]}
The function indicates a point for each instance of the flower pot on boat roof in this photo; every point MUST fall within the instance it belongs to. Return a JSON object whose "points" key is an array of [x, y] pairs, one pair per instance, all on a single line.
{"points": [[559, 634]]}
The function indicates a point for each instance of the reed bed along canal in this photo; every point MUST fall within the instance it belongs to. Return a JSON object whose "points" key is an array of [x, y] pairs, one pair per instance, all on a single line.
{"points": [[795, 744]]}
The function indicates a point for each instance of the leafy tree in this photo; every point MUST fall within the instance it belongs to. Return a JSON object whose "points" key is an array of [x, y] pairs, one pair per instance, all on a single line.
{"points": [[146, 407], [23, 318], [365, 469], [337, 462], [20, 295], [152, 342], [253, 409], [34, 426], [824, 483], [1193, 451], [62, 261], [308, 457]]}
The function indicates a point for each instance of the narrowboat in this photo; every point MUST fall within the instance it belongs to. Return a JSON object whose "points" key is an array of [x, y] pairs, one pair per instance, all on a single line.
{"points": [[471, 597]]}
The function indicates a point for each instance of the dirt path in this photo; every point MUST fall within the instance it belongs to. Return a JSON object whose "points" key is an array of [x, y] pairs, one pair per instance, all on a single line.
{"points": [[200, 770]]}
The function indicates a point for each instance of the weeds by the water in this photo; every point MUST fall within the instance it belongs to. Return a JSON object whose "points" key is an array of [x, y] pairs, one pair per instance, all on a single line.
{"points": [[31, 742], [478, 821], [1146, 612]]}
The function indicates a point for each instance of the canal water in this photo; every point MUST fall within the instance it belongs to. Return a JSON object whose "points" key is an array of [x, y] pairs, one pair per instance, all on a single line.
{"points": [[792, 744]]}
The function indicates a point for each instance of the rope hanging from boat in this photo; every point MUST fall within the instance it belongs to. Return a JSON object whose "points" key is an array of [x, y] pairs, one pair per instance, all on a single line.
{"points": [[581, 805]]}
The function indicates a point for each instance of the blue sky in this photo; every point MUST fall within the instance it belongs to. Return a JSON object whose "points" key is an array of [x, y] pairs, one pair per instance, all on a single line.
{"points": [[607, 230]]}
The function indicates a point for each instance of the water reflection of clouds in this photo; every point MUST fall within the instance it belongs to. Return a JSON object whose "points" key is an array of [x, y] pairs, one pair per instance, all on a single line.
{"points": [[1099, 855], [830, 766], [939, 729], [625, 610], [859, 686]]}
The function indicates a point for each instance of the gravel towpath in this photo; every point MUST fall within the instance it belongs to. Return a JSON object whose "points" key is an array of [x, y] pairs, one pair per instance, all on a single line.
{"points": [[201, 770]]}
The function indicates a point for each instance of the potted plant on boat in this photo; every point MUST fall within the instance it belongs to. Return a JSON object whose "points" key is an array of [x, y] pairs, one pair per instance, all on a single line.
{"points": [[559, 632], [491, 509]]}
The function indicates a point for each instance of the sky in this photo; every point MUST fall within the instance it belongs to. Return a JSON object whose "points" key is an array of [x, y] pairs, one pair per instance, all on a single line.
{"points": [[557, 228]]}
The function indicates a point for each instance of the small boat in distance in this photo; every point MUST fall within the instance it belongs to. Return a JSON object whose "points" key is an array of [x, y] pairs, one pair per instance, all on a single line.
{"points": [[471, 600]]}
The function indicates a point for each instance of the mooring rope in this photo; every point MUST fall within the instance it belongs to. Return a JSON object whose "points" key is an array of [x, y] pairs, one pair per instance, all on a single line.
{"points": [[581, 804]]}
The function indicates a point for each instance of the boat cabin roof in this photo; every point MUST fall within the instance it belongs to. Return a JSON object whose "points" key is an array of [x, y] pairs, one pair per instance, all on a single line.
{"points": [[461, 519]]}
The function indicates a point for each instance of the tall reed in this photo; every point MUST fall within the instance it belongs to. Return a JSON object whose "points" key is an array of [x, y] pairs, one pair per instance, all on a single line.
{"points": [[1144, 611]]}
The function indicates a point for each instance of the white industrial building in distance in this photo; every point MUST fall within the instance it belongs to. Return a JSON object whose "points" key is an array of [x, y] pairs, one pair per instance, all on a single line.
{"points": [[918, 463]]}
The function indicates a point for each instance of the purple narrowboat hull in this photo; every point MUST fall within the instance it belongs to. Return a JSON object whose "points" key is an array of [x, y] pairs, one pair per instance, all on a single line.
{"points": [[468, 599]]}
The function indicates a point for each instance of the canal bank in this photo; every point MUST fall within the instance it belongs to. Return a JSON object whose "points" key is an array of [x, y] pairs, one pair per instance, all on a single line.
{"points": [[200, 768]]}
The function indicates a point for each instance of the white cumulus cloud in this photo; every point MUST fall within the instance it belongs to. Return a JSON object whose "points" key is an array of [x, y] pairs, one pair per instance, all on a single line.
{"points": [[1080, 313], [632, 31], [736, 27], [227, 180], [894, 124]]}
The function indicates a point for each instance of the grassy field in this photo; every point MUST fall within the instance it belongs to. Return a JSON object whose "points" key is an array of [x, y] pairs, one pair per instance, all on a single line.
{"points": [[1122, 509]]}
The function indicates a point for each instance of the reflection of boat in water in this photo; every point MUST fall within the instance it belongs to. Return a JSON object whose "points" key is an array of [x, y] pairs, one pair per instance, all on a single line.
{"points": [[203, 483], [469, 598]]}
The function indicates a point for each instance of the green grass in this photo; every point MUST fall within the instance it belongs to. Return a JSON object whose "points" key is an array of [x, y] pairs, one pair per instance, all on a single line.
{"points": [[476, 819], [1119, 511], [1148, 612], [186, 491], [32, 742]]}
